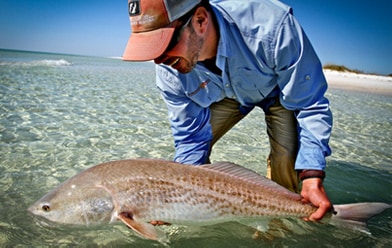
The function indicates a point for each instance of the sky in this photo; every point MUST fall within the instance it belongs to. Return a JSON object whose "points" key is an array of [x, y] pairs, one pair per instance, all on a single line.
{"points": [[357, 34]]}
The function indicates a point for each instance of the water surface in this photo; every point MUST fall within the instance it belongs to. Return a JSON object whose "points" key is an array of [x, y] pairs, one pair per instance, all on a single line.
{"points": [[60, 114]]}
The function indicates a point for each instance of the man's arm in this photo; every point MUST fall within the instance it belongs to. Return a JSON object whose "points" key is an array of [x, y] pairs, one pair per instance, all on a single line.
{"points": [[189, 122], [303, 85]]}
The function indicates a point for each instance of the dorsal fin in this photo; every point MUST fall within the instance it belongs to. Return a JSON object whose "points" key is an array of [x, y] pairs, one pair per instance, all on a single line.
{"points": [[234, 170], [249, 175]]}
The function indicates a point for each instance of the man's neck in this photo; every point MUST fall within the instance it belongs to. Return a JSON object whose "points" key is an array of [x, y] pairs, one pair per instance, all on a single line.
{"points": [[210, 64]]}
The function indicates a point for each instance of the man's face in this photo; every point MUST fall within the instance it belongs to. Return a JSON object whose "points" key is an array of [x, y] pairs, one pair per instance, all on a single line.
{"points": [[184, 53]]}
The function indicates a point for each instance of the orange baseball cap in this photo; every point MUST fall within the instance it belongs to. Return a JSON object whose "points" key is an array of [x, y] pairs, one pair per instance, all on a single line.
{"points": [[152, 26]]}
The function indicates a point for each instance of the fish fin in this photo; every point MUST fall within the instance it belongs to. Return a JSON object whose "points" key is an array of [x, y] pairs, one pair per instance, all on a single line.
{"points": [[159, 223], [356, 215], [251, 176], [146, 230]]}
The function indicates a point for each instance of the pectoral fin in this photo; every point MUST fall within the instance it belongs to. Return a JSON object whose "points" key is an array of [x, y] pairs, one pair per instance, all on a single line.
{"points": [[146, 230]]}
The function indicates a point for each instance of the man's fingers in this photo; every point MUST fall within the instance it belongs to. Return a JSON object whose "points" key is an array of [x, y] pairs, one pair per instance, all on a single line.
{"points": [[320, 212]]}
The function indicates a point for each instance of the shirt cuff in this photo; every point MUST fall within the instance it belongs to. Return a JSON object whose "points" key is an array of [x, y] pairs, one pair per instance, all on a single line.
{"points": [[310, 159]]}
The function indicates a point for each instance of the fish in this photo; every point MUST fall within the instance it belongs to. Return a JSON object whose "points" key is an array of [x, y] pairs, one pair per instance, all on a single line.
{"points": [[143, 193]]}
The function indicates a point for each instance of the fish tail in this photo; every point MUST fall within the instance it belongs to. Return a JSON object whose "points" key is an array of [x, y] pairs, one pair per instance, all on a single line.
{"points": [[356, 215]]}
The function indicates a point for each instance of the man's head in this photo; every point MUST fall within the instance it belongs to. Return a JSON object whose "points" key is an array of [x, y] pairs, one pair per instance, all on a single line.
{"points": [[171, 32]]}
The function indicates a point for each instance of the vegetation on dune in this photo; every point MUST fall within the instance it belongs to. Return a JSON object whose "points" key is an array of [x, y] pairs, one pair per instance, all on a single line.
{"points": [[343, 68]]}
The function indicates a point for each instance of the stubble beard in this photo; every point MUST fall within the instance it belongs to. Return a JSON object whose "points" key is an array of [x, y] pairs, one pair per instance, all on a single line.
{"points": [[194, 46]]}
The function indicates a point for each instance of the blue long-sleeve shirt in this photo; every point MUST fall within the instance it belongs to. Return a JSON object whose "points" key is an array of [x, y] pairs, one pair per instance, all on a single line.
{"points": [[262, 51]]}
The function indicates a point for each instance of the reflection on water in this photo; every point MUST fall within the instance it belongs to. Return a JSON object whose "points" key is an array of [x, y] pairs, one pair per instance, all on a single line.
{"points": [[61, 114]]}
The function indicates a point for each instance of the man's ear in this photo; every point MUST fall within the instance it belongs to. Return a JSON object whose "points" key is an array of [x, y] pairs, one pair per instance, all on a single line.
{"points": [[200, 20]]}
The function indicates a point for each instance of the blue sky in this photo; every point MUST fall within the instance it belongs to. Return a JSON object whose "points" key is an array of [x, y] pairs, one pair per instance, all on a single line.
{"points": [[354, 33]]}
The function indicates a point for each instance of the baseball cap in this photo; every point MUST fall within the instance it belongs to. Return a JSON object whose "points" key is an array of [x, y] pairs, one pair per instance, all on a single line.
{"points": [[152, 26]]}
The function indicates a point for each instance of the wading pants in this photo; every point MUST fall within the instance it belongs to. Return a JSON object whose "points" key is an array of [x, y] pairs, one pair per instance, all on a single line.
{"points": [[282, 132]]}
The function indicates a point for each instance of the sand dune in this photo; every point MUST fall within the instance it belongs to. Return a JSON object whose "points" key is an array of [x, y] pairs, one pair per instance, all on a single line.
{"points": [[359, 82]]}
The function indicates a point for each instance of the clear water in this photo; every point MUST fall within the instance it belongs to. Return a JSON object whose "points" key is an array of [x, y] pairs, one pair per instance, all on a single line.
{"points": [[60, 114]]}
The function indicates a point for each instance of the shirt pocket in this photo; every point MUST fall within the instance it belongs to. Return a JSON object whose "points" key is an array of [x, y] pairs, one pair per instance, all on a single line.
{"points": [[204, 92], [254, 83]]}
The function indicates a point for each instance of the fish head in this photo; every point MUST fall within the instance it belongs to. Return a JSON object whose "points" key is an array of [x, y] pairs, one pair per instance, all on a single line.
{"points": [[75, 202]]}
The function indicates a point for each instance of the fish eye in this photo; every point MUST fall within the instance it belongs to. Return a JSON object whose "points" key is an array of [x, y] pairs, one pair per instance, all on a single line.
{"points": [[46, 208]]}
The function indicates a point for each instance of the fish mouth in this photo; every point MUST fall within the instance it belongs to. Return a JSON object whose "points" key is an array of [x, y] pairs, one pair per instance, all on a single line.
{"points": [[33, 210], [30, 209]]}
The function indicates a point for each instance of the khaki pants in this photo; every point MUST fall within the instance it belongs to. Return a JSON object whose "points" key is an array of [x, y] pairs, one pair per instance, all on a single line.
{"points": [[282, 133]]}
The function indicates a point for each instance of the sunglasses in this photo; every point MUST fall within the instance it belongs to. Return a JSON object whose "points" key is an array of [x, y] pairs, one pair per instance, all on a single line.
{"points": [[177, 34]]}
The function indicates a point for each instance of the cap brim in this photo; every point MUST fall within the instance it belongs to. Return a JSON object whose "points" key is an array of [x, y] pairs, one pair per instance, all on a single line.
{"points": [[148, 45]]}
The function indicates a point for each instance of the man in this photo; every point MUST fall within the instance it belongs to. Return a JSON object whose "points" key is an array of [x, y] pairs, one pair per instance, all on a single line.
{"points": [[217, 60]]}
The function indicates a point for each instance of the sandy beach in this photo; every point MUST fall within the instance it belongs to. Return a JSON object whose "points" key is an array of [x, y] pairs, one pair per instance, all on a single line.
{"points": [[359, 82]]}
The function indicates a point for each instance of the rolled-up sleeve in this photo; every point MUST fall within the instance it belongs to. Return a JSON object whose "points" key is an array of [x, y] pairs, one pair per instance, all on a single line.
{"points": [[303, 85], [189, 122]]}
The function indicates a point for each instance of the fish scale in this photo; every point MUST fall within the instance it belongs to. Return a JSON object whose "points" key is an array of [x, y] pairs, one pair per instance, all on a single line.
{"points": [[215, 194], [222, 201]]}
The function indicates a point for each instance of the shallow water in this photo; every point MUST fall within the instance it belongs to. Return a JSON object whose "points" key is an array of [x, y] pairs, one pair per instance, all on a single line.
{"points": [[60, 114]]}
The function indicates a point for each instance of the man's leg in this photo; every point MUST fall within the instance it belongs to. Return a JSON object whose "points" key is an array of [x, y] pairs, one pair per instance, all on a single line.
{"points": [[224, 115], [283, 135]]}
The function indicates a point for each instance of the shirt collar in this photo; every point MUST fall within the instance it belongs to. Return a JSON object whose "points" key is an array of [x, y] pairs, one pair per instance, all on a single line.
{"points": [[223, 50]]}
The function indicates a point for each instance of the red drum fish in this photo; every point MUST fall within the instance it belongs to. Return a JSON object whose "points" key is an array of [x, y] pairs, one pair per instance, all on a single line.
{"points": [[140, 192]]}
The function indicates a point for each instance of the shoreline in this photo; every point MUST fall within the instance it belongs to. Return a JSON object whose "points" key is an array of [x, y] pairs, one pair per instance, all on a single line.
{"points": [[375, 84]]}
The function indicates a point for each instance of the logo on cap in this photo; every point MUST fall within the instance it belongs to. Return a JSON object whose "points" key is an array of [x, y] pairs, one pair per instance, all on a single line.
{"points": [[134, 8]]}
